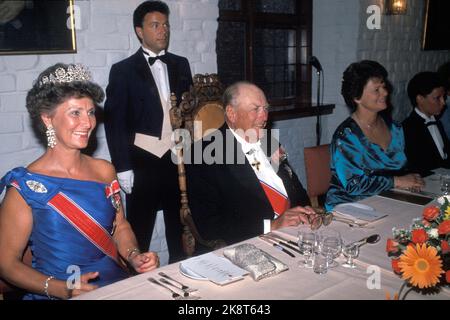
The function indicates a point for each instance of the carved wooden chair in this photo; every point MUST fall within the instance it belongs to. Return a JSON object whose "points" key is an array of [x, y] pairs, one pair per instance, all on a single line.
{"points": [[199, 111]]}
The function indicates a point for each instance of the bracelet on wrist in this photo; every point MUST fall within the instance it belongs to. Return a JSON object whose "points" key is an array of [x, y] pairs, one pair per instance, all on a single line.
{"points": [[130, 252], [46, 287]]}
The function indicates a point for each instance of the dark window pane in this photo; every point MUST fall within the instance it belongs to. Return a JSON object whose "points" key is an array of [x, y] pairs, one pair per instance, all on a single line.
{"points": [[276, 6], [231, 51], [274, 58], [234, 5]]}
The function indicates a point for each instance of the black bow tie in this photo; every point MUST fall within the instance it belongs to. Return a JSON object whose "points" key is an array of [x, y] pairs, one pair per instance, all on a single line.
{"points": [[152, 60], [431, 123]]}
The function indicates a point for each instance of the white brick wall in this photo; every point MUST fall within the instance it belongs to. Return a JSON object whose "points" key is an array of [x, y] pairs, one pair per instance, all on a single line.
{"points": [[106, 36], [397, 46], [340, 36]]}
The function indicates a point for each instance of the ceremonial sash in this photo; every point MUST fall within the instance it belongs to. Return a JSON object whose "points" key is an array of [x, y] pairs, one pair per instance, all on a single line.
{"points": [[85, 224], [280, 203]]}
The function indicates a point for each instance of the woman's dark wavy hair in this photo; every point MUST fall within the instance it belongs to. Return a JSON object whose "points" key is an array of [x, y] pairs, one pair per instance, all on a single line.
{"points": [[355, 78], [45, 98]]}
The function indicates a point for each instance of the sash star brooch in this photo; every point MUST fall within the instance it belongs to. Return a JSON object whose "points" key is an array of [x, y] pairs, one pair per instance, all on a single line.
{"points": [[36, 186]]}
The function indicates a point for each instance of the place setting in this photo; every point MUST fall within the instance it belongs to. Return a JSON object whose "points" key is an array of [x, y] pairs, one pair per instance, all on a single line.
{"points": [[321, 249], [177, 289]]}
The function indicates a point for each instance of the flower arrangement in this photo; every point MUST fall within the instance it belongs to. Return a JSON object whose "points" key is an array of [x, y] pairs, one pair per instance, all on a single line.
{"points": [[421, 254]]}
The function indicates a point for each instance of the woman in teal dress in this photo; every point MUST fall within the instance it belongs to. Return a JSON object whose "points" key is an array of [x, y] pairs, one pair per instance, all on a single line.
{"points": [[367, 149], [66, 205]]}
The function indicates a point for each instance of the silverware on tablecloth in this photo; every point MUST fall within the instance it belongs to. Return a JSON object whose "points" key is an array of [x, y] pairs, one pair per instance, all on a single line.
{"points": [[165, 281], [374, 238], [352, 223], [175, 295], [183, 287], [273, 234], [283, 243]]}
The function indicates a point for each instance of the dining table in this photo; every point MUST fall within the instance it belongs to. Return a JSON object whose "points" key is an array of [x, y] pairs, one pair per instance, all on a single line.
{"points": [[372, 279]]}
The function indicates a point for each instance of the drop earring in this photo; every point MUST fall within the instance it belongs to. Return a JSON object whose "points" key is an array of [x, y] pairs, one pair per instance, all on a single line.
{"points": [[51, 136]]}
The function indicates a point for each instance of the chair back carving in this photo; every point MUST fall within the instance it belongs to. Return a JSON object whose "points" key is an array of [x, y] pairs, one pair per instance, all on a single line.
{"points": [[318, 173], [199, 111], [200, 108]]}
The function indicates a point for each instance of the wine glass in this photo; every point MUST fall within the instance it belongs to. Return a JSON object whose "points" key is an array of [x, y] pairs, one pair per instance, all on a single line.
{"points": [[445, 184], [350, 252], [331, 243], [307, 240]]}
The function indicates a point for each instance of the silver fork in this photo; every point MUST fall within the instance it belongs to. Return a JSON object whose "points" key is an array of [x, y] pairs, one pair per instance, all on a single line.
{"points": [[175, 295], [185, 294], [185, 288]]}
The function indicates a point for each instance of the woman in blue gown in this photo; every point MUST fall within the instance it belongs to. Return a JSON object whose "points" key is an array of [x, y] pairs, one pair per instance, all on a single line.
{"points": [[367, 149], [66, 205]]}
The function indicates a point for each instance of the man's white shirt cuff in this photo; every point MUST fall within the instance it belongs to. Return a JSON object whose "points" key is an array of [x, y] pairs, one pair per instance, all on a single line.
{"points": [[267, 227]]}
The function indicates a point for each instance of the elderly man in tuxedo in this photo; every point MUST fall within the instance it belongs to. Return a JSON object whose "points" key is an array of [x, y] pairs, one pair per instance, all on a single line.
{"points": [[244, 185], [138, 128]]}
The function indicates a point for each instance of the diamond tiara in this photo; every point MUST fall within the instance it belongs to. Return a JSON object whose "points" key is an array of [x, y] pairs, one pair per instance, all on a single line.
{"points": [[74, 72]]}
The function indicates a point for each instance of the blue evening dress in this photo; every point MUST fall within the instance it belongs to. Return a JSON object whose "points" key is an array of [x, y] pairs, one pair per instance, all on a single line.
{"points": [[58, 248], [360, 168]]}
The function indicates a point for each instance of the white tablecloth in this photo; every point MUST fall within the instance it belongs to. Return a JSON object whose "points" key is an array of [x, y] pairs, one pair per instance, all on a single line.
{"points": [[298, 283]]}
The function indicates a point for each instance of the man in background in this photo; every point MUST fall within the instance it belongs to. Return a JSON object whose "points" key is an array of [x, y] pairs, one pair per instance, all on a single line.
{"points": [[138, 128]]}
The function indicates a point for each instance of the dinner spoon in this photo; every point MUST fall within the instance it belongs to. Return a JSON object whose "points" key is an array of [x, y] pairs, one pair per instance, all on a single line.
{"points": [[374, 238]]}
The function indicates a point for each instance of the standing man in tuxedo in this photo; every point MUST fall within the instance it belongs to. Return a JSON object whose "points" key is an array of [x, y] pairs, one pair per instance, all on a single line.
{"points": [[138, 129], [247, 187]]}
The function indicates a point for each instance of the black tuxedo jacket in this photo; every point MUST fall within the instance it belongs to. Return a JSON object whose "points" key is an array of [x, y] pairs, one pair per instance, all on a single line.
{"points": [[133, 104], [420, 149], [226, 200]]}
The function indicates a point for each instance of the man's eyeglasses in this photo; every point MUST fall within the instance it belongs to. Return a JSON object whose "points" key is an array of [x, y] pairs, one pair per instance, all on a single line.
{"points": [[320, 218]]}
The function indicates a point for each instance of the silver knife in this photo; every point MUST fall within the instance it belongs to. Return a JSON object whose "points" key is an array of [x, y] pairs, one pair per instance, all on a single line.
{"points": [[274, 235], [277, 246], [284, 244]]}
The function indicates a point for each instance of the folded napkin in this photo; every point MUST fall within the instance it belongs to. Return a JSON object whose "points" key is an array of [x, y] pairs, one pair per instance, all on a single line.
{"points": [[259, 263]]}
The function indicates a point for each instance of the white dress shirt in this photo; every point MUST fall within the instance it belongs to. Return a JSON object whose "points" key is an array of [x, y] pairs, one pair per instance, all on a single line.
{"points": [[152, 144], [435, 133], [262, 168]]}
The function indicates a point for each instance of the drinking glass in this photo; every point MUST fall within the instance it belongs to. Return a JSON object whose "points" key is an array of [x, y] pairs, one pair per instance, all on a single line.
{"points": [[307, 240], [350, 252], [445, 184], [320, 265], [331, 244]]}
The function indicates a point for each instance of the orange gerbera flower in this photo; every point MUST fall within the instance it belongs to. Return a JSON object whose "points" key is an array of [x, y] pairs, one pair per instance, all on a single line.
{"points": [[421, 265]]}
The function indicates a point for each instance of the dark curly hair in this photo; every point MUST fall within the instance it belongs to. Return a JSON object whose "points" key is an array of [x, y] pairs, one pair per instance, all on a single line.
{"points": [[147, 7], [423, 83], [45, 98], [355, 78]]}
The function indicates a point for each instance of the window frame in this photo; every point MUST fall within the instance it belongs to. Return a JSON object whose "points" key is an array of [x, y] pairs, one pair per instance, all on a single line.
{"points": [[301, 22]]}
